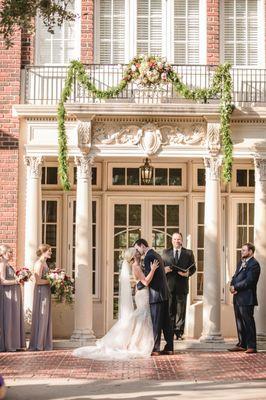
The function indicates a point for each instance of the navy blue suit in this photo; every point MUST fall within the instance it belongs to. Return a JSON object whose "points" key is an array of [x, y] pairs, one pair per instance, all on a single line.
{"points": [[159, 296], [245, 283]]}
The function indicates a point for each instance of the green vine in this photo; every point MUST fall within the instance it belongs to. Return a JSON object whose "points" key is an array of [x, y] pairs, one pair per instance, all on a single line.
{"points": [[150, 71]]}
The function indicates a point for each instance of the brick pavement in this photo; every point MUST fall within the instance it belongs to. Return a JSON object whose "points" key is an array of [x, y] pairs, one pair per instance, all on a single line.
{"points": [[184, 366]]}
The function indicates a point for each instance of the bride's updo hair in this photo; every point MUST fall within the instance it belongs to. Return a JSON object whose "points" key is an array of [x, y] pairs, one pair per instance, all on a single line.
{"points": [[42, 249], [129, 254], [4, 248]]}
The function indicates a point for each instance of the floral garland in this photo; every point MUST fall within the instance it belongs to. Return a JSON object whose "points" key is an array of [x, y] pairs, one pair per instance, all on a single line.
{"points": [[151, 71]]}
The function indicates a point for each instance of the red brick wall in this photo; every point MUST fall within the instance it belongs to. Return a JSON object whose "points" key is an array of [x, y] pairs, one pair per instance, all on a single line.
{"points": [[87, 31], [213, 24], [27, 49], [9, 133]]}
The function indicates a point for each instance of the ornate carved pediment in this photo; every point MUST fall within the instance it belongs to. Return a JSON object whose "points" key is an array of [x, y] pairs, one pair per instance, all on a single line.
{"points": [[149, 137]]}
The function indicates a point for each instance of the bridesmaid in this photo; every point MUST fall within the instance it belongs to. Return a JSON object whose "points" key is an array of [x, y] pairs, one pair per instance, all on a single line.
{"points": [[12, 335], [41, 328]]}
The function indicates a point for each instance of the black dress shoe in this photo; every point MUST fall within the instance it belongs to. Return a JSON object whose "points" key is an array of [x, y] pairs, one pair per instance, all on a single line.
{"points": [[167, 352]]}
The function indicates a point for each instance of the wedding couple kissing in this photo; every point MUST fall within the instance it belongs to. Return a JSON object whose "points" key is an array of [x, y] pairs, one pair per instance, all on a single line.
{"points": [[137, 333]]}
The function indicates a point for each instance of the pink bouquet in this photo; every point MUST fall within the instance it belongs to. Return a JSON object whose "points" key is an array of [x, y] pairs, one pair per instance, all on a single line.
{"points": [[62, 285], [23, 274]]}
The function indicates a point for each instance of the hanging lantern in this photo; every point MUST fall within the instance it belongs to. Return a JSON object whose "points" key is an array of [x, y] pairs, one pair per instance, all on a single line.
{"points": [[146, 172]]}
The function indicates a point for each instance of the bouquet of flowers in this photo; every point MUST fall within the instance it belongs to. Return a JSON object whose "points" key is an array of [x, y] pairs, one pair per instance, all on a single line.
{"points": [[62, 285], [148, 70], [23, 274]]}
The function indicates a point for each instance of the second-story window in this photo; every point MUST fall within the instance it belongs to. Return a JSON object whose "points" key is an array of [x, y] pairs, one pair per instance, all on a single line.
{"points": [[112, 31], [149, 27], [240, 32], [186, 31], [59, 47], [168, 28]]}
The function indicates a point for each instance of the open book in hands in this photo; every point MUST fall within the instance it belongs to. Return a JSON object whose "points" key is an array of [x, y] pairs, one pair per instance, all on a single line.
{"points": [[175, 268]]}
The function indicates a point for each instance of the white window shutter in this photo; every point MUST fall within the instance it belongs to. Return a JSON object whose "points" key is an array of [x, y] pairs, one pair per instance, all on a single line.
{"points": [[149, 27], [241, 32], [186, 31], [112, 31], [57, 48]]}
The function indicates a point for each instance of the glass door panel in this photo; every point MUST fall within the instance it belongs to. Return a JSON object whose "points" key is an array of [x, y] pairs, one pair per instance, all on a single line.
{"points": [[165, 221], [126, 230]]}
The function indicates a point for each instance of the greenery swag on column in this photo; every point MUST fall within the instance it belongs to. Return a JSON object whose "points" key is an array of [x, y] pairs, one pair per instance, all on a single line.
{"points": [[150, 71]]}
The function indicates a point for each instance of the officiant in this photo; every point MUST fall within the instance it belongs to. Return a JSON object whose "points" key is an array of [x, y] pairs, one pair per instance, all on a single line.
{"points": [[179, 266]]}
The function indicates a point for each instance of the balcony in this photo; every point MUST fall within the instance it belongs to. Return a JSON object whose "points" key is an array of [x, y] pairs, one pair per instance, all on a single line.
{"points": [[43, 85]]}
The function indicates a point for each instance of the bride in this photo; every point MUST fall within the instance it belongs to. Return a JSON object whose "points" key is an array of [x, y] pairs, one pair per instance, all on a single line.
{"points": [[132, 335]]}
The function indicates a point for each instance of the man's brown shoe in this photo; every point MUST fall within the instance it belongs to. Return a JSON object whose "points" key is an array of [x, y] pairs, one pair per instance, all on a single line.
{"points": [[237, 348], [250, 351], [155, 353]]}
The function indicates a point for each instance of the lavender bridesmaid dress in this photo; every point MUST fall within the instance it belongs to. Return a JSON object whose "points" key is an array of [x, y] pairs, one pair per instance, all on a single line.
{"points": [[41, 328], [12, 334]]}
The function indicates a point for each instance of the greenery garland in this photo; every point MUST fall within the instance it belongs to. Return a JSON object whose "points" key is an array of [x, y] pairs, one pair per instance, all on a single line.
{"points": [[150, 71]]}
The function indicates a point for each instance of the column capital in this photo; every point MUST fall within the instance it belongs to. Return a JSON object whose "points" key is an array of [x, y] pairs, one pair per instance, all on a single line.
{"points": [[213, 166], [34, 163], [84, 163], [260, 167], [213, 139]]}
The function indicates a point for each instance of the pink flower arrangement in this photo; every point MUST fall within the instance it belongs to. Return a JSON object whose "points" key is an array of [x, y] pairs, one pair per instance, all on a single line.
{"points": [[62, 285], [23, 274], [148, 70]]}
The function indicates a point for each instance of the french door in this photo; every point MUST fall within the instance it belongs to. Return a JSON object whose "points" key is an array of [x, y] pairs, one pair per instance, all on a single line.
{"points": [[155, 220]]}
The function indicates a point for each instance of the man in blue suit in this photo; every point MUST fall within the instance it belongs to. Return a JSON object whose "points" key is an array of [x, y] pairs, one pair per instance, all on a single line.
{"points": [[244, 288], [158, 298]]}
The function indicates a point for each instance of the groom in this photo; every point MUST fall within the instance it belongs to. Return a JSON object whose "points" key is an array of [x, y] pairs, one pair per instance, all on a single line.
{"points": [[159, 295]]}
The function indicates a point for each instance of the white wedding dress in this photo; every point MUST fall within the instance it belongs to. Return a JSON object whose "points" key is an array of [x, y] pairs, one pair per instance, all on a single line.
{"points": [[132, 335]]}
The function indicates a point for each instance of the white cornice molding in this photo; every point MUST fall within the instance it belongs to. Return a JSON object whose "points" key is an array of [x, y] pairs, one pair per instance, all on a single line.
{"points": [[189, 110], [115, 109], [162, 109]]}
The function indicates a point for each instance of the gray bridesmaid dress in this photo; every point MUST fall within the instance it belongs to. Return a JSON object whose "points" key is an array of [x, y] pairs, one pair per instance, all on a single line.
{"points": [[41, 327], [12, 334]]}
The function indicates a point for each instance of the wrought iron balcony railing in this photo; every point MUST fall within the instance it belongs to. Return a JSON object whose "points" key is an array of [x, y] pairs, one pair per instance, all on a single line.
{"points": [[44, 84]]}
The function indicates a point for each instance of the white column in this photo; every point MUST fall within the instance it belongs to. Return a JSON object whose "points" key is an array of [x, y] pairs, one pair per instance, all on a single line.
{"points": [[212, 255], [260, 244], [33, 224], [83, 260]]}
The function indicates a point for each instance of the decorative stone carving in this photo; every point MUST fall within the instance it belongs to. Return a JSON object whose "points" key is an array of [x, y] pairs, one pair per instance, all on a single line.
{"points": [[191, 134], [213, 166], [34, 163], [116, 135], [213, 142], [84, 135], [149, 137], [260, 168], [83, 163]]}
